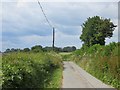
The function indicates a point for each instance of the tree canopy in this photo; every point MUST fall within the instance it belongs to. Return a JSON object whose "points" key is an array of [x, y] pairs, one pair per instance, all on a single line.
{"points": [[69, 49], [26, 49], [95, 30], [39, 48], [36, 48]]}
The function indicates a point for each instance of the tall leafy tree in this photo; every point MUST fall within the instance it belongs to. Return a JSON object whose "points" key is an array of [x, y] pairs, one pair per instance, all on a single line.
{"points": [[36, 48], [95, 30], [26, 49]]}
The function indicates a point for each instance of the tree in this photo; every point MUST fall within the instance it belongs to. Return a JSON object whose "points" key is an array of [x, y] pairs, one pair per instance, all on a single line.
{"points": [[95, 30], [8, 50], [13, 50], [37, 48], [56, 49], [47, 48], [69, 49], [26, 50], [73, 48]]}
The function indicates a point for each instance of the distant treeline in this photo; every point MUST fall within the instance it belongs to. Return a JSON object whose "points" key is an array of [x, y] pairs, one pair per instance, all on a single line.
{"points": [[39, 48]]}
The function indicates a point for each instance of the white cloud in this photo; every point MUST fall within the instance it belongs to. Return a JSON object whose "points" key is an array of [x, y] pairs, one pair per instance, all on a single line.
{"points": [[22, 18], [9, 44], [0, 26], [67, 40], [21, 3], [64, 0], [34, 39]]}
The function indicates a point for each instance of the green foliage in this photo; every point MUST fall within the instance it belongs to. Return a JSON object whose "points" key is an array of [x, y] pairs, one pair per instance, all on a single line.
{"points": [[95, 30], [37, 48], [7, 50], [12, 50], [101, 61], [69, 49], [26, 50], [49, 49], [65, 55], [56, 49], [30, 70]]}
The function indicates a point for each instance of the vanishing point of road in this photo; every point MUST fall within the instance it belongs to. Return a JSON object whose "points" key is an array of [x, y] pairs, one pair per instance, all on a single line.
{"points": [[76, 77]]}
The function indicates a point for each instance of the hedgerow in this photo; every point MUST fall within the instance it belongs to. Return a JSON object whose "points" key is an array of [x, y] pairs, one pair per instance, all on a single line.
{"points": [[30, 70], [101, 61]]}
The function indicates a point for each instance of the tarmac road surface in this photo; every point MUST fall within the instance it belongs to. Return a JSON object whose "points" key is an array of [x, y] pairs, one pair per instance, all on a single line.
{"points": [[76, 77]]}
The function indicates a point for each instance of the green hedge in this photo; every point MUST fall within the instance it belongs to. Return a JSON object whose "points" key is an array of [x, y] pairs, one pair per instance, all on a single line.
{"points": [[101, 61], [29, 70]]}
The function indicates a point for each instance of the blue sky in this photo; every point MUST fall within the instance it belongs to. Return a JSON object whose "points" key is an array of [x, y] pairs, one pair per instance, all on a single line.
{"points": [[23, 24]]}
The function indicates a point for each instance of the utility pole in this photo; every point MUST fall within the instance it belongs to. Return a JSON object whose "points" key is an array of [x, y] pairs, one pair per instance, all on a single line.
{"points": [[53, 38]]}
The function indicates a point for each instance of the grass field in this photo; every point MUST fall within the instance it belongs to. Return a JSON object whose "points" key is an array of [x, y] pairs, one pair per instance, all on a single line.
{"points": [[65, 53]]}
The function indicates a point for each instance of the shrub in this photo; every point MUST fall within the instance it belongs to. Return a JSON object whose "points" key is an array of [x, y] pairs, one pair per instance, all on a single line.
{"points": [[101, 61], [28, 70]]}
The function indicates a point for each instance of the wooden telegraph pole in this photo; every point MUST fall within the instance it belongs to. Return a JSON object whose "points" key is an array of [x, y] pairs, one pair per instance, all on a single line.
{"points": [[53, 38]]}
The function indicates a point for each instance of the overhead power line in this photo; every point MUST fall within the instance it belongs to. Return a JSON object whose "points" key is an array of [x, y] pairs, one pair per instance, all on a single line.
{"points": [[44, 14], [48, 23]]}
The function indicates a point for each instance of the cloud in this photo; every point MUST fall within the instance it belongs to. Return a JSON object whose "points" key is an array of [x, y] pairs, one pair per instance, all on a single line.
{"points": [[69, 30], [34, 39], [27, 41], [21, 3], [24, 25], [64, 0], [77, 12], [67, 40]]}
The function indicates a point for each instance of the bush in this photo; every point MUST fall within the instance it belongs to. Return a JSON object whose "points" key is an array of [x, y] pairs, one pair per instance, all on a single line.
{"points": [[28, 70], [101, 61]]}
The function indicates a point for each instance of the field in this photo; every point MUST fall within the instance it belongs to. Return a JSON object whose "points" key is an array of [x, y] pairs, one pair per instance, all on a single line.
{"points": [[65, 53], [31, 70]]}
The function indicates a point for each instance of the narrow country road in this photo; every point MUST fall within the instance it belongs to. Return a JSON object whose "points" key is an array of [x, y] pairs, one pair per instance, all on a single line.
{"points": [[76, 77]]}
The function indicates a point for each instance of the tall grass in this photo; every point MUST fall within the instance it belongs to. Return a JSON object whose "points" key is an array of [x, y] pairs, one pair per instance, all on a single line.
{"points": [[101, 61], [31, 70]]}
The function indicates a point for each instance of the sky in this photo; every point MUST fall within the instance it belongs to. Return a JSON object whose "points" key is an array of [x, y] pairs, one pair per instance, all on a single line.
{"points": [[23, 23]]}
